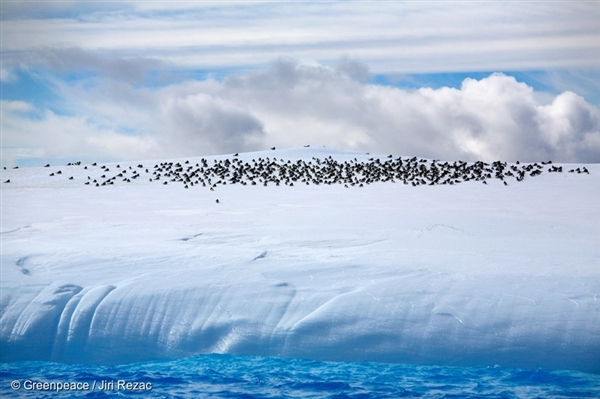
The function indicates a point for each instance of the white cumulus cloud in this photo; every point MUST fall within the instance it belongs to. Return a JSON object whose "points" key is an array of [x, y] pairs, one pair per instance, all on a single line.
{"points": [[292, 104]]}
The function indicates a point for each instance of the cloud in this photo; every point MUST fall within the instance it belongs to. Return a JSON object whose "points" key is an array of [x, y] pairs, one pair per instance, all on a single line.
{"points": [[571, 127], [6, 75], [291, 104], [492, 118], [586, 83], [200, 123], [394, 37], [58, 138], [78, 61], [120, 79], [16, 106], [353, 68]]}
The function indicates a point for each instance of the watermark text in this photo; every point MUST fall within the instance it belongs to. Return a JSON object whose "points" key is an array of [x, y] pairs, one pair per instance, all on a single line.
{"points": [[96, 385]]}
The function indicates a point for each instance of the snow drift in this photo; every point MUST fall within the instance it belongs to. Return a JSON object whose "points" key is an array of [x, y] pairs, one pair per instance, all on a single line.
{"points": [[464, 274]]}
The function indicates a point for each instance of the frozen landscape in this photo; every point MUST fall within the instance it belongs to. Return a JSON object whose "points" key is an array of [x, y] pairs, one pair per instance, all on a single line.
{"points": [[465, 274]]}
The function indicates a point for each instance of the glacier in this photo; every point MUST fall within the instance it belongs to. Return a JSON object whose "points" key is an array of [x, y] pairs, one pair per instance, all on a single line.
{"points": [[465, 274]]}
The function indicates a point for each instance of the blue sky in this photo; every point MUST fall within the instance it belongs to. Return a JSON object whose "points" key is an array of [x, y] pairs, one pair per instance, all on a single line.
{"points": [[95, 81]]}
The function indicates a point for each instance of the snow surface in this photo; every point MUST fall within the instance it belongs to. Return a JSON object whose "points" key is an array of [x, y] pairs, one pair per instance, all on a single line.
{"points": [[468, 274]]}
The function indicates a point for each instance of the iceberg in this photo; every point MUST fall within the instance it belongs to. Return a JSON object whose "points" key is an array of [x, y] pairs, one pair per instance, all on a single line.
{"points": [[454, 274]]}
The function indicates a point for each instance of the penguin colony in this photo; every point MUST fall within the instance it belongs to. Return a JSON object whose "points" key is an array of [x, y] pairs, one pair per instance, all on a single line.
{"points": [[353, 173]]}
